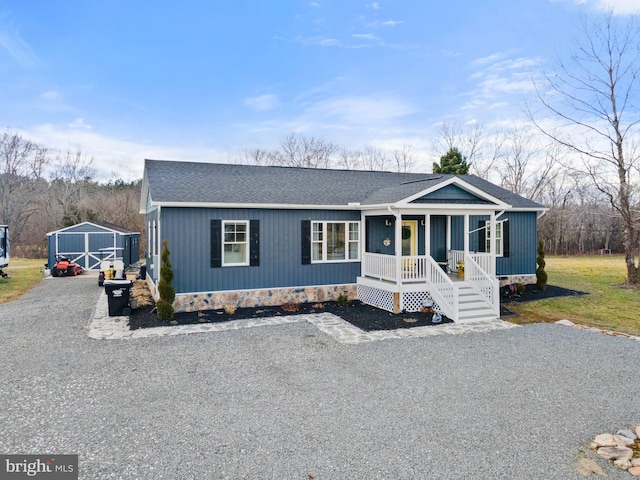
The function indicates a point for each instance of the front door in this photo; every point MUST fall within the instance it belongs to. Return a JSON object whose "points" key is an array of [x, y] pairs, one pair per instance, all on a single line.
{"points": [[409, 238]]}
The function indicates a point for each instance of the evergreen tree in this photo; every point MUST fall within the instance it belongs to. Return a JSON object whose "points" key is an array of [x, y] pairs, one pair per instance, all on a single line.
{"points": [[541, 275], [165, 285], [452, 162]]}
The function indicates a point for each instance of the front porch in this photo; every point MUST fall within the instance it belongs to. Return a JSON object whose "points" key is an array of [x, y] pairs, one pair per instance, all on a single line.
{"points": [[408, 284], [411, 260]]}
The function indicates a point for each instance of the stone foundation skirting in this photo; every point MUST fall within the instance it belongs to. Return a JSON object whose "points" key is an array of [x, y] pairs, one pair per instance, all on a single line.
{"points": [[523, 279], [261, 298]]}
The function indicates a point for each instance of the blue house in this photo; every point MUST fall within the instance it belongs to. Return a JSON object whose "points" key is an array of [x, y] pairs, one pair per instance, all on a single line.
{"points": [[253, 235]]}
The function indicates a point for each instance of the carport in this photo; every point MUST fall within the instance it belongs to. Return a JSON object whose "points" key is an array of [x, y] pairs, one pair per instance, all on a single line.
{"points": [[89, 243]]}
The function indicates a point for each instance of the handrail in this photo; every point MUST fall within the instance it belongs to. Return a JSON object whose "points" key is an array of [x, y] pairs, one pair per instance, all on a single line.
{"points": [[444, 291], [481, 281]]}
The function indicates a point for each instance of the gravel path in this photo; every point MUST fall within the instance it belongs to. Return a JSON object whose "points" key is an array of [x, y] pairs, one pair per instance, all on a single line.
{"points": [[289, 402]]}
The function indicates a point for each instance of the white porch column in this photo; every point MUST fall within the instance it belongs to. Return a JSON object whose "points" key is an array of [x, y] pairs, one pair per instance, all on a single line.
{"points": [[448, 239], [490, 233], [427, 235], [466, 233], [398, 249]]}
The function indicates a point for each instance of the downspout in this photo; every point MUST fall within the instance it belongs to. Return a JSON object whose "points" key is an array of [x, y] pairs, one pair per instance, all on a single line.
{"points": [[398, 258]]}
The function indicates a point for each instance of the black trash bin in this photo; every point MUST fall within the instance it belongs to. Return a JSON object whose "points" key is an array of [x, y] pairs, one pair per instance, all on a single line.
{"points": [[143, 272], [118, 297]]}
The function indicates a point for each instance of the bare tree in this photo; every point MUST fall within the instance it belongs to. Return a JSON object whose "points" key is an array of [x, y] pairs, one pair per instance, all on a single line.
{"points": [[71, 171], [257, 156], [300, 151], [374, 159], [350, 159], [526, 167], [22, 163], [403, 159], [592, 101], [480, 149]]}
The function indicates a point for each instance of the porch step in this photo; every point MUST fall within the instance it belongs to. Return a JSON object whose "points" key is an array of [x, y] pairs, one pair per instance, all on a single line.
{"points": [[471, 306]]}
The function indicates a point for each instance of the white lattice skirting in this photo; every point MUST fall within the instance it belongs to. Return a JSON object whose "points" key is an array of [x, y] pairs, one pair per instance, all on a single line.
{"points": [[384, 299], [376, 297]]}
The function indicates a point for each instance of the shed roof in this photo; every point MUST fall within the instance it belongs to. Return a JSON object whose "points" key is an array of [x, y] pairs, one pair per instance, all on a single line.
{"points": [[175, 182], [95, 226]]}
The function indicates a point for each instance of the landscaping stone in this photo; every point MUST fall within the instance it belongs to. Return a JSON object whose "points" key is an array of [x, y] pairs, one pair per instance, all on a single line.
{"points": [[605, 440], [622, 463], [566, 323], [616, 448], [623, 441], [638, 430], [614, 453], [627, 433]]}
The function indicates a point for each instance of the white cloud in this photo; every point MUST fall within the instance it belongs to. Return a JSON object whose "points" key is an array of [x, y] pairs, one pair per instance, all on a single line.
{"points": [[16, 47], [356, 110], [364, 36], [114, 157], [262, 103], [618, 7], [314, 4], [374, 5]]}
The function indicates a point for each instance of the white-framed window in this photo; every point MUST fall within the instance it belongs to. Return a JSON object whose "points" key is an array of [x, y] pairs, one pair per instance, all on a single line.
{"points": [[335, 241], [496, 238], [235, 243]]}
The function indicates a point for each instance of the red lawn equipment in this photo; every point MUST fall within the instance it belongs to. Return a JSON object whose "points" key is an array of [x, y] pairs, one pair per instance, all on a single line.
{"points": [[65, 267]]}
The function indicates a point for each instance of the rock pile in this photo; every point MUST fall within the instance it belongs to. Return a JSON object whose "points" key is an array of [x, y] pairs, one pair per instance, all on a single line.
{"points": [[623, 449]]}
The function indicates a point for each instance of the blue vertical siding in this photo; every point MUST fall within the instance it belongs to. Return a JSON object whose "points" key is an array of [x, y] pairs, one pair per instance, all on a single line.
{"points": [[188, 233], [439, 238]]}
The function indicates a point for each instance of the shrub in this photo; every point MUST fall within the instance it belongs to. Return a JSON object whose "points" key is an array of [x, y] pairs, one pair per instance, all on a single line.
{"points": [[164, 305], [541, 275], [343, 300], [520, 288]]}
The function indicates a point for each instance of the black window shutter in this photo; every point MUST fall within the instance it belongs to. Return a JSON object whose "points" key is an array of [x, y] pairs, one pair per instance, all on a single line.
{"points": [[254, 243], [216, 243], [506, 250], [482, 236], [306, 242]]}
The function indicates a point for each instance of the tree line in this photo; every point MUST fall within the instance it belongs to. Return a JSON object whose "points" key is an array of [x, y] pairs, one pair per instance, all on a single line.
{"points": [[42, 190]]}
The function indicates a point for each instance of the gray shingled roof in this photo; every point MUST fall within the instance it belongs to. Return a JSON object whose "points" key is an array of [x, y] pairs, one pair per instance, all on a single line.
{"points": [[190, 182]]}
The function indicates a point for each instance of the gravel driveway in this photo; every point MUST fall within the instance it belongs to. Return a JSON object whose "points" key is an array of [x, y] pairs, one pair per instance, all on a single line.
{"points": [[289, 402]]}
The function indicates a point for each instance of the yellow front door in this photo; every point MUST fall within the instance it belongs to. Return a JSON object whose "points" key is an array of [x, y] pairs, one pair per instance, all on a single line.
{"points": [[409, 238]]}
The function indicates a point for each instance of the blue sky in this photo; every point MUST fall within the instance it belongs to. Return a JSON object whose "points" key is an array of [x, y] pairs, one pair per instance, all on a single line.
{"points": [[203, 80]]}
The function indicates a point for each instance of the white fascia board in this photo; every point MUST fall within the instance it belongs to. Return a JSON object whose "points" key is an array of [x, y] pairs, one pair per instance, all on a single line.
{"points": [[460, 183], [455, 208], [262, 206], [144, 193]]}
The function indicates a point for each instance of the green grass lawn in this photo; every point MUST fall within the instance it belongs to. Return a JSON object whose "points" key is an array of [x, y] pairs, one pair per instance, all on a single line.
{"points": [[25, 274], [610, 305]]}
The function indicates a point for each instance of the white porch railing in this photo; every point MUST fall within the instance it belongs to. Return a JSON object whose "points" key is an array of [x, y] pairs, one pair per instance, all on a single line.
{"points": [[444, 291], [415, 269], [485, 261], [478, 272], [487, 285], [382, 267]]}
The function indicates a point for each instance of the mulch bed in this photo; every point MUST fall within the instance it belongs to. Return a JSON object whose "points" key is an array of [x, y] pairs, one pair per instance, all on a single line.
{"points": [[363, 316]]}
